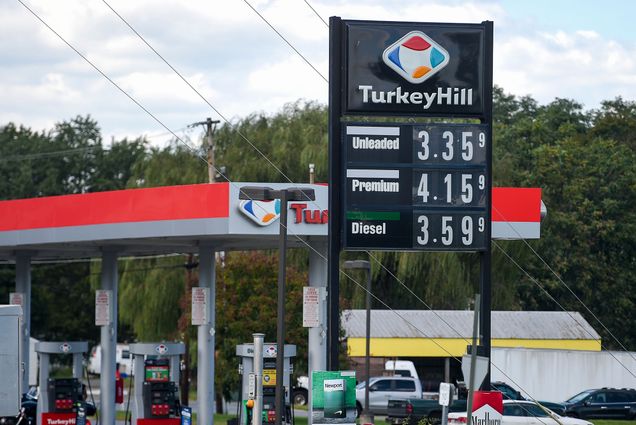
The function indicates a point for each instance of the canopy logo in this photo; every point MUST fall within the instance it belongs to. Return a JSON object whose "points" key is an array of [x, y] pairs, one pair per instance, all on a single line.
{"points": [[416, 57], [262, 213]]}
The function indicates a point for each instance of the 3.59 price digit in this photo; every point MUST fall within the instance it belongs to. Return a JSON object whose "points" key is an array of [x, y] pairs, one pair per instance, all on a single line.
{"points": [[454, 230]]}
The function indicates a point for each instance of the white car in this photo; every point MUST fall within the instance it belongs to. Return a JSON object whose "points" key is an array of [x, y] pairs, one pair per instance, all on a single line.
{"points": [[517, 412]]}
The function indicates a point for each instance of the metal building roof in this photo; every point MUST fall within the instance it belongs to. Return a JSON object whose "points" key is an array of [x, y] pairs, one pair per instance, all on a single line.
{"points": [[459, 323]]}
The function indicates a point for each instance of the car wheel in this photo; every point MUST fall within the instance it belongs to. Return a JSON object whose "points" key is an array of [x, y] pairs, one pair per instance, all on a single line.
{"points": [[300, 397], [358, 410]]}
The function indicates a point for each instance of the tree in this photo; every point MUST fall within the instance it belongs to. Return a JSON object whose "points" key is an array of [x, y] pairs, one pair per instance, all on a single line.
{"points": [[588, 236], [68, 159], [616, 120], [247, 303]]}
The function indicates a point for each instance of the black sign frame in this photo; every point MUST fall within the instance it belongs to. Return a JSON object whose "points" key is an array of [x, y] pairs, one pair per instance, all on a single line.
{"points": [[362, 61], [340, 112]]}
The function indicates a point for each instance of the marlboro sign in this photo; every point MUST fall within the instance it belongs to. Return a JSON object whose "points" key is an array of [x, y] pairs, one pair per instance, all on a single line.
{"points": [[487, 408]]}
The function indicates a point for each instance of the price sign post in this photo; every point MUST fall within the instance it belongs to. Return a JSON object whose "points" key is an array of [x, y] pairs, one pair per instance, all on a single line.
{"points": [[422, 183]]}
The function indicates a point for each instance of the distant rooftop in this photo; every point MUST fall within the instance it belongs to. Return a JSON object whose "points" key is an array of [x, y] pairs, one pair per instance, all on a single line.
{"points": [[534, 325]]}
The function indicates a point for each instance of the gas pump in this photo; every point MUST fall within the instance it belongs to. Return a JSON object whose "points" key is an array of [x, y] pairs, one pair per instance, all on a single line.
{"points": [[156, 393], [245, 352], [60, 398]]}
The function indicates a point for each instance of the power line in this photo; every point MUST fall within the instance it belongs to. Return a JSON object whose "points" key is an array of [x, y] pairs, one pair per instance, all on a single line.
{"points": [[165, 133], [536, 282], [525, 241], [560, 280], [48, 154], [286, 41], [420, 331], [316, 13], [107, 77], [218, 112], [547, 265]]}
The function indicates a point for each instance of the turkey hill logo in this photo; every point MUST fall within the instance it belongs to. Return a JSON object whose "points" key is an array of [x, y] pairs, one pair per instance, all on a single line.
{"points": [[416, 57], [262, 213]]}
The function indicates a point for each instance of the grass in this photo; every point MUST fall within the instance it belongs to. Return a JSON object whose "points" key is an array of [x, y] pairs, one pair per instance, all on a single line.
{"points": [[221, 419]]}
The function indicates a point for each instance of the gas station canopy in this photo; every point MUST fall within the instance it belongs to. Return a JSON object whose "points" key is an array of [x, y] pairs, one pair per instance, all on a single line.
{"points": [[179, 219]]}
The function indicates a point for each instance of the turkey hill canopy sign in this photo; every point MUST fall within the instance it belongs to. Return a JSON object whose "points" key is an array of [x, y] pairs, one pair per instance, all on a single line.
{"points": [[398, 68]]}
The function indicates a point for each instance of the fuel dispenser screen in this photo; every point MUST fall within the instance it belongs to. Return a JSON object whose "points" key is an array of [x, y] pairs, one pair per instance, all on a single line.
{"points": [[157, 370], [159, 393], [63, 393]]}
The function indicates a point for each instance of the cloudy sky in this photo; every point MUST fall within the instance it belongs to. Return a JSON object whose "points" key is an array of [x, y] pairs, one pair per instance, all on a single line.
{"points": [[584, 50]]}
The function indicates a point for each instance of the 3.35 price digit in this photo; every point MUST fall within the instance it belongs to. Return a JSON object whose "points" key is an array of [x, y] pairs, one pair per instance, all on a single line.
{"points": [[424, 153]]}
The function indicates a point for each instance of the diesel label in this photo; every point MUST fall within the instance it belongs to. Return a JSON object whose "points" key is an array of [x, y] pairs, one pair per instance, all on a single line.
{"points": [[359, 228]]}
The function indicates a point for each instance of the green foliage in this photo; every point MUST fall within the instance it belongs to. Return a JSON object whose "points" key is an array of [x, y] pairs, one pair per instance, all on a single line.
{"points": [[246, 303], [290, 140], [172, 165], [149, 296], [584, 163], [68, 159], [582, 160]]}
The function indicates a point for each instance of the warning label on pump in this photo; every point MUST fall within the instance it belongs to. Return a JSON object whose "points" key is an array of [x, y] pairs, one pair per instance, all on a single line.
{"points": [[103, 307], [269, 377], [311, 306]]}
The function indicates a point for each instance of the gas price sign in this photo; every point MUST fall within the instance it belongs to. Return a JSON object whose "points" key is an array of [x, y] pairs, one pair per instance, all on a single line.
{"points": [[415, 186]]}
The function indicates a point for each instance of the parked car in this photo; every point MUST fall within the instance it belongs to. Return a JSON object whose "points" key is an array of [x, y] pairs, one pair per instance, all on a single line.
{"points": [[383, 388], [401, 368], [122, 357], [603, 403], [517, 412], [510, 393], [417, 409], [300, 393]]}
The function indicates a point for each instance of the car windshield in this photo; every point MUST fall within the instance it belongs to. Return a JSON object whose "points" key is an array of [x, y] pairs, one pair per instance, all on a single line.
{"points": [[361, 385], [579, 397], [508, 392]]}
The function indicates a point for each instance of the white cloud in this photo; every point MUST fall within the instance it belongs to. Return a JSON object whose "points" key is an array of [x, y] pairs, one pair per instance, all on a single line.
{"points": [[578, 65], [240, 65]]}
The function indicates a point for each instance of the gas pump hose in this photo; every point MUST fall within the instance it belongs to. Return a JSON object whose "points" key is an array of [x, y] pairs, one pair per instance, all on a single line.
{"points": [[90, 390], [128, 418]]}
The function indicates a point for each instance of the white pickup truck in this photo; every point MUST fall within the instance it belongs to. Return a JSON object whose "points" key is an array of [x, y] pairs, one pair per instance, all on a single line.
{"points": [[383, 388]]}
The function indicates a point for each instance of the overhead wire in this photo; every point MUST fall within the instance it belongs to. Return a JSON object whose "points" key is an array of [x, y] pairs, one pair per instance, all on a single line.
{"points": [[316, 13], [286, 41], [96, 68], [558, 277], [555, 274], [201, 95], [529, 246], [216, 110], [49, 154], [262, 17], [536, 282]]}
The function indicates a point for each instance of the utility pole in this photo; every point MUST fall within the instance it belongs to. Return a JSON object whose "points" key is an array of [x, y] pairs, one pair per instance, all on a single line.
{"points": [[209, 145]]}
